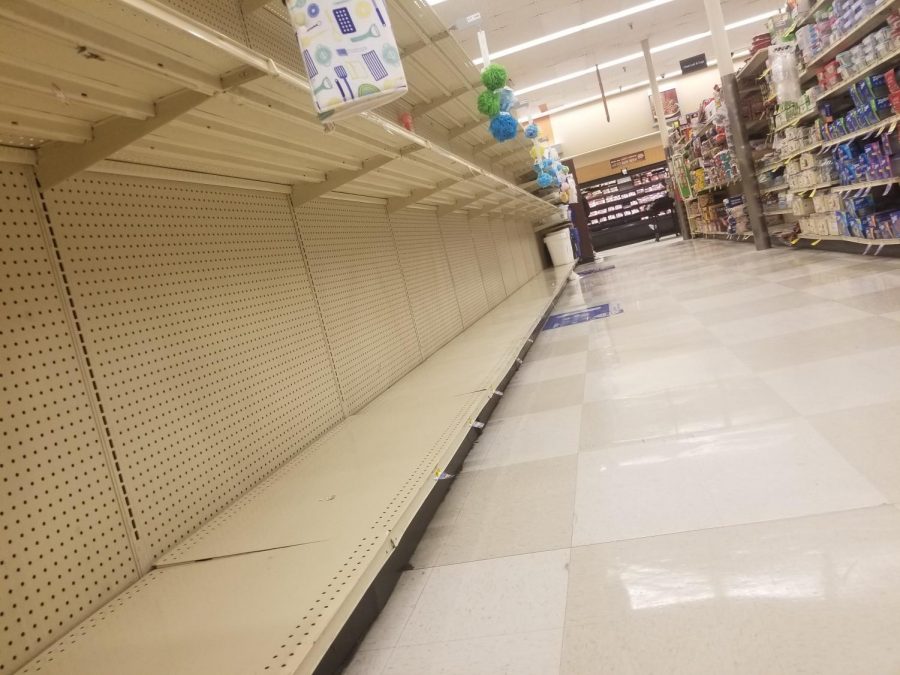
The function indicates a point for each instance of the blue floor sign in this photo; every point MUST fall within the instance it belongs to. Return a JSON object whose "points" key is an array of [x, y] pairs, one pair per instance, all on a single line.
{"points": [[582, 315]]}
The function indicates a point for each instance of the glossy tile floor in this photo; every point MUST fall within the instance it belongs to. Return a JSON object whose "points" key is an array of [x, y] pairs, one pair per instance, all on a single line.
{"points": [[706, 483]]}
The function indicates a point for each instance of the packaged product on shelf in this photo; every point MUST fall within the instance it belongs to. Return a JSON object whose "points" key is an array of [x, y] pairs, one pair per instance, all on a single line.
{"points": [[785, 73], [802, 206], [736, 219]]}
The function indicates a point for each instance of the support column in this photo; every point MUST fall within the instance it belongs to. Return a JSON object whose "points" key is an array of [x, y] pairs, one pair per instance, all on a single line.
{"points": [[732, 98], [657, 97], [579, 220]]}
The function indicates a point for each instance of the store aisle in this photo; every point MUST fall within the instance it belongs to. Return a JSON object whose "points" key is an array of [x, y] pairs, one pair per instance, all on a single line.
{"points": [[706, 483]]}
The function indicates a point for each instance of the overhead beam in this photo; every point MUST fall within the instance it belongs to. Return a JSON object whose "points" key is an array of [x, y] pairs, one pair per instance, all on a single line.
{"points": [[306, 192], [414, 197], [58, 161]]}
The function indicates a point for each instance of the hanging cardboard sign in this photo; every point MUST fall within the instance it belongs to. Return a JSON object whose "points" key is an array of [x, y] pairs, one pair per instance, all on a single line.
{"points": [[350, 55], [689, 65]]}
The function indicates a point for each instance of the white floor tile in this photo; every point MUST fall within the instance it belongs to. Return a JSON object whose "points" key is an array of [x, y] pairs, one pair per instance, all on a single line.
{"points": [[504, 596], [386, 630], [368, 663], [867, 438], [718, 405], [535, 397], [526, 438], [810, 595], [650, 374], [775, 470], [865, 378], [534, 653], [785, 322], [848, 288], [521, 508], [735, 294], [816, 344], [551, 368]]}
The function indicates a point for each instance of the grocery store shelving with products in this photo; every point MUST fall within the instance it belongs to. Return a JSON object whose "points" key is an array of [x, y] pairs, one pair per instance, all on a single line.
{"points": [[706, 171], [614, 203], [835, 156]]}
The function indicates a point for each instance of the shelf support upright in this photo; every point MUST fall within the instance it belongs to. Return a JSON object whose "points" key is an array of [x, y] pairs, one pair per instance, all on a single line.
{"points": [[742, 151]]}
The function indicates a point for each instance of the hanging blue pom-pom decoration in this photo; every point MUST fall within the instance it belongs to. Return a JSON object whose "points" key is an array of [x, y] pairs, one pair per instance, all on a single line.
{"points": [[537, 168], [532, 131], [547, 163], [544, 180], [504, 127], [507, 99]]}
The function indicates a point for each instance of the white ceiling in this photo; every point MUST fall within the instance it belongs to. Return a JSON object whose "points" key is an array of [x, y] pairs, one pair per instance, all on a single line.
{"points": [[511, 22]]}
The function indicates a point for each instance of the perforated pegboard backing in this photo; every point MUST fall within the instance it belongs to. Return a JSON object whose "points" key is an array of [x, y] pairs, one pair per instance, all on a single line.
{"points": [[206, 343], [517, 249], [533, 259], [488, 262], [271, 34], [65, 549], [464, 267], [360, 289], [504, 253], [525, 242], [427, 278]]}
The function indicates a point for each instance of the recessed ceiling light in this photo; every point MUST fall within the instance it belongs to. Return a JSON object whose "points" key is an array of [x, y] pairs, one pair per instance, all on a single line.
{"points": [[615, 16], [639, 55]]}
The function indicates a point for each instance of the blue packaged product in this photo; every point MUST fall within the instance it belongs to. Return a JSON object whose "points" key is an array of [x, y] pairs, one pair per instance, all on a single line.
{"points": [[883, 108], [856, 95], [895, 223]]}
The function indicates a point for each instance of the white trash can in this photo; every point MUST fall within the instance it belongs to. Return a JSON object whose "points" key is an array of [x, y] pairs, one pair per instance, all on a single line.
{"points": [[559, 244]]}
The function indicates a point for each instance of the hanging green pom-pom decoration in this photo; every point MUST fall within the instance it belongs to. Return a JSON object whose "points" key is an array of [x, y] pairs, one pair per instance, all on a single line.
{"points": [[494, 77], [489, 103]]}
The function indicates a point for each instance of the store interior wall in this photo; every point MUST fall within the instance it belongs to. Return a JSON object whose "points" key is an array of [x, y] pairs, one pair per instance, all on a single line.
{"points": [[179, 342], [593, 165], [584, 129]]}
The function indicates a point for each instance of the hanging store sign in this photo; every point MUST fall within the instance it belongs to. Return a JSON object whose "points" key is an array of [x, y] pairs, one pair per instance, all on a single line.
{"points": [[634, 157], [693, 63]]}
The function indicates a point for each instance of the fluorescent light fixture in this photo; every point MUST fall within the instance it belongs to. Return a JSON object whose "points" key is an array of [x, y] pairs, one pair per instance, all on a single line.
{"points": [[639, 55], [565, 32]]}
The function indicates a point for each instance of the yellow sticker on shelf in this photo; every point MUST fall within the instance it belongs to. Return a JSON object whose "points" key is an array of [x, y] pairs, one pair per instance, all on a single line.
{"points": [[815, 242], [794, 241], [813, 193]]}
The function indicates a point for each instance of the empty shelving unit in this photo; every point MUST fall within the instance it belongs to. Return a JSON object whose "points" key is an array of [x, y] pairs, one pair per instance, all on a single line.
{"points": [[240, 353]]}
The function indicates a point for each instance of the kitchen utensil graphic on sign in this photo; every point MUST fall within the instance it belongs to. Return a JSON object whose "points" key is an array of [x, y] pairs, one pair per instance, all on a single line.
{"points": [[311, 70], [344, 20], [373, 32], [323, 55], [325, 86], [378, 12], [341, 72], [374, 65], [350, 54]]}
